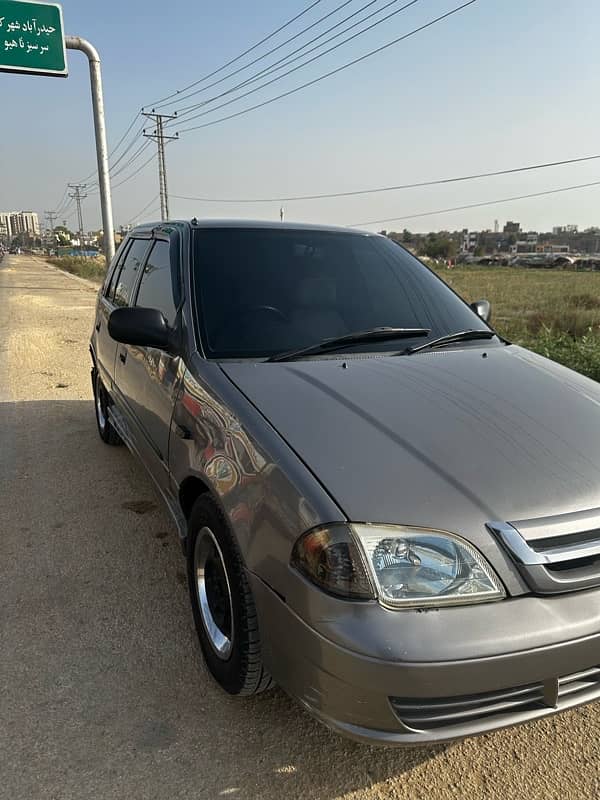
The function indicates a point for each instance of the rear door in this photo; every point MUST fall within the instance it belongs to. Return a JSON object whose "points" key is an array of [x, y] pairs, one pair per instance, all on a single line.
{"points": [[105, 347], [146, 378]]}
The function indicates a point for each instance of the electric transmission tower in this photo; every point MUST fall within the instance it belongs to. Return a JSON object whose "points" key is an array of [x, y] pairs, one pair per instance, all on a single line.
{"points": [[158, 135], [50, 220], [78, 197]]}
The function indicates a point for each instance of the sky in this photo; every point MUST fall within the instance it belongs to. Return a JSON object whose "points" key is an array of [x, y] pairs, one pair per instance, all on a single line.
{"points": [[501, 84]]}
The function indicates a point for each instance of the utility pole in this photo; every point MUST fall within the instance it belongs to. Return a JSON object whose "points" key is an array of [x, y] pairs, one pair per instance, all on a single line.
{"points": [[51, 219], [78, 197], [158, 135]]}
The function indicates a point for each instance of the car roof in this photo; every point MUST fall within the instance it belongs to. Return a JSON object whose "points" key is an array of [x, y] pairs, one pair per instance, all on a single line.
{"points": [[250, 224]]}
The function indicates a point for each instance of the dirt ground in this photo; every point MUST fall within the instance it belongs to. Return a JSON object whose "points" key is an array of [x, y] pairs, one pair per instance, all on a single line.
{"points": [[102, 689]]}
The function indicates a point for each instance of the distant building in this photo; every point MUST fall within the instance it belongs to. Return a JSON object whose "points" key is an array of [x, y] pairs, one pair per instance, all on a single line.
{"points": [[470, 240], [21, 222], [562, 229], [5, 228], [528, 243], [554, 248], [512, 227], [527, 246]]}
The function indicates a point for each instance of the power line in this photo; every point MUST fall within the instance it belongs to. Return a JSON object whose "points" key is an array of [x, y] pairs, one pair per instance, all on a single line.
{"points": [[420, 184], [283, 44], [131, 160], [331, 72], [133, 141], [284, 94], [122, 139], [63, 198], [475, 205], [175, 94], [67, 208], [273, 68], [132, 175], [137, 172], [141, 149], [237, 58], [116, 147], [65, 202], [123, 168], [143, 211]]}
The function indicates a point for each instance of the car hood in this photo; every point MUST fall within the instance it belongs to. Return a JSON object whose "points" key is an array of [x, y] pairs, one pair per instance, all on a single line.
{"points": [[447, 439]]}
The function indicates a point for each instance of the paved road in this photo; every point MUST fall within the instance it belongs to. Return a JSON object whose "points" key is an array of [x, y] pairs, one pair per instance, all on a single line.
{"points": [[102, 689]]}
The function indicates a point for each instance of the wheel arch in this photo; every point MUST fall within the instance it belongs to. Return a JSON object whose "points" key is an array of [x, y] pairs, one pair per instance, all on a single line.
{"points": [[190, 489]]}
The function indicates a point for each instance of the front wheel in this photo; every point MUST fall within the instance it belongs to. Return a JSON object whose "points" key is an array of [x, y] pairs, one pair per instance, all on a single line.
{"points": [[107, 433], [222, 603]]}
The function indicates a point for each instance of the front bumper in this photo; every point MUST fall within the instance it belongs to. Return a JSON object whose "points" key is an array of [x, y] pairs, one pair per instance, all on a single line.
{"points": [[403, 702]]}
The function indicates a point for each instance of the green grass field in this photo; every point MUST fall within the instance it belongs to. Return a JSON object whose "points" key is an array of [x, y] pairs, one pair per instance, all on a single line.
{"points": [[556, 313]]}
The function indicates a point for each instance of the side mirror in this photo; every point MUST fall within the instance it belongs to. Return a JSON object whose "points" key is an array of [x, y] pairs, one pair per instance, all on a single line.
{"points": [[483, 309], [143, 327]]}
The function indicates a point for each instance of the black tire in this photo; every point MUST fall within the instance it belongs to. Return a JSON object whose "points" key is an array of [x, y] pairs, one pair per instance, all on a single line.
{"points": [[239, 671], [101, 402]]}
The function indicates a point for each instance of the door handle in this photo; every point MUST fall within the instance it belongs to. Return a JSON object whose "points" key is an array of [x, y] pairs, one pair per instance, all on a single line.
{"points": [[98, 326], [123, 356]]}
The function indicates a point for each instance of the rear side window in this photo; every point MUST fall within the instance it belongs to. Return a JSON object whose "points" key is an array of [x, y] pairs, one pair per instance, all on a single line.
{"points": [[113, 270], [130, 271], [156, 287]]}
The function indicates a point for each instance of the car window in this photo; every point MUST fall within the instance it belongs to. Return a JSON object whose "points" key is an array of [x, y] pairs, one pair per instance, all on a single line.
{"points": [[130, 271], [113, 270], [156, 287], [265, 291]]}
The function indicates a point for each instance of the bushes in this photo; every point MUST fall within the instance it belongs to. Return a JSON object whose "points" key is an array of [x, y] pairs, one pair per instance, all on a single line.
{"points": [[94, 269], [572, 321], [581, 353]]}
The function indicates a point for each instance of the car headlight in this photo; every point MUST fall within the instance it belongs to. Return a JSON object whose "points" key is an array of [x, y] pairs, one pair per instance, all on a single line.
{"points": [[402, 567], [331, 558]]}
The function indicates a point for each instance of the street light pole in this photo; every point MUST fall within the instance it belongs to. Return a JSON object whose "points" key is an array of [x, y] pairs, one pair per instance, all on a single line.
{"points": [[77, 43]]}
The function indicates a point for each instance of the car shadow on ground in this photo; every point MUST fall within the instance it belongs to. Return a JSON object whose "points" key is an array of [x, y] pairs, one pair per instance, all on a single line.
{"points": [[105, 682]]}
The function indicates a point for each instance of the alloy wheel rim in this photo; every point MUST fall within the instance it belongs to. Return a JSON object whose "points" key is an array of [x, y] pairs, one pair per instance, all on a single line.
{"points": [[213, 593], [100, 406]]}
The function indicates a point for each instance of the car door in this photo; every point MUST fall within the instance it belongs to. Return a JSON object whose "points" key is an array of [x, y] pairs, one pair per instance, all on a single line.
{"points": [[146, 378], [125, 284], [106, 347]]}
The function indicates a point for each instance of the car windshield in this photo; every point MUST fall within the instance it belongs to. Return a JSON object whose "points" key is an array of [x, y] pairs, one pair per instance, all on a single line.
{"points": [[264, 291]]}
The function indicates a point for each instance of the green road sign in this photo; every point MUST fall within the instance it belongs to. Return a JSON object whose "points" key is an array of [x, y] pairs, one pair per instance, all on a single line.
{"points": [[31, 38]]}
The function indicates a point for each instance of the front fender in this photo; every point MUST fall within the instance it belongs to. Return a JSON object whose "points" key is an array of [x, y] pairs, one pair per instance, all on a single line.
{"points": [[268, 495]]}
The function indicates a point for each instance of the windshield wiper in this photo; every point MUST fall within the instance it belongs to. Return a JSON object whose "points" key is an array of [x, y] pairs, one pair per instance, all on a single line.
{"points": [[450, 338], [330, 345]]}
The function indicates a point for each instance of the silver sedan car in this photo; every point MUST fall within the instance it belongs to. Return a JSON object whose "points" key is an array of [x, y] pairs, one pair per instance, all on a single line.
{"points": [[385, 507]]}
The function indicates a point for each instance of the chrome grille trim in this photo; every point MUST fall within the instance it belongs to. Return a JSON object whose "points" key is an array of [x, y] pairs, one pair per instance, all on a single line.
{"points": [[554, 563], [529, 555]]}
